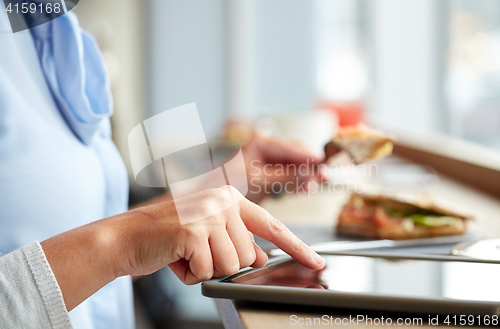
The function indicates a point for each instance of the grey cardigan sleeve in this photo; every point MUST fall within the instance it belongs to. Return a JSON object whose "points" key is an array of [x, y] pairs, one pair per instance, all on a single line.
{"points": [[29, 294]]}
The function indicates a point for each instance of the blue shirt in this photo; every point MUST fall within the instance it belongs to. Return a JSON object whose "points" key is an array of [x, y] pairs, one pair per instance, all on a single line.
{"points": [[51, 178]]}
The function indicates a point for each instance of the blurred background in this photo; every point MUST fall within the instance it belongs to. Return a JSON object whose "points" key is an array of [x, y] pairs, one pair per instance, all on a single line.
{"points": [[416, 65]]}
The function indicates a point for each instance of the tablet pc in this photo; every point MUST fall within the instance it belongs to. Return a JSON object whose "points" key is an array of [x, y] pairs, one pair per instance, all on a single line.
{"points": [[417, 284]]}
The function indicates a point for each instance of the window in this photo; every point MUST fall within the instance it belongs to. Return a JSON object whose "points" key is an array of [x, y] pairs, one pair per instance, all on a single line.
{"points": [[473, 70]]}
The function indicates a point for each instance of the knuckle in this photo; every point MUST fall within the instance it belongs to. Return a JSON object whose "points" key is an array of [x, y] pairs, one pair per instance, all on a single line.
{"points": [[193, 234], [234, 191], [299, 246], [206, 276], [208, 200], [248, 259], [233, 269], [221, 199], [206, 206], [227, 191], [230, 268], [221, 192], [276, 227], [220, 195]]}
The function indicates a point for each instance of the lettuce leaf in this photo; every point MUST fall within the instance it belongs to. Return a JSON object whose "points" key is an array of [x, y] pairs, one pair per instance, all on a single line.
{"points": [[433, 221]]}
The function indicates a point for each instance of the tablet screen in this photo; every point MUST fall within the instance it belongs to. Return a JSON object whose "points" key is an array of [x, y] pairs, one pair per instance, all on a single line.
{"points": [[406, 278]]}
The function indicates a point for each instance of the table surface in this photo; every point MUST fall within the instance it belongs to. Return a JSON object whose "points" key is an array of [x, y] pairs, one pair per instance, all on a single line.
{"points": [[320, 210]]}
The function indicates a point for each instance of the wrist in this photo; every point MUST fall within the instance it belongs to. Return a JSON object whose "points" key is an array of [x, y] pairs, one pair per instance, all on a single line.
{"points": [[129, 232], [103, 243], [82, 260], [113, 239]]}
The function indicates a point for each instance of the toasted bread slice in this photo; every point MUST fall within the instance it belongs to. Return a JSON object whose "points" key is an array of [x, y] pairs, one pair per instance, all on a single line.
{"points": [[362, 143]]}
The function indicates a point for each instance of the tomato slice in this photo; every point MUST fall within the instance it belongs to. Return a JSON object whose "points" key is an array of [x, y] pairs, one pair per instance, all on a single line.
{"points": [[381, 219], [351, 213]]}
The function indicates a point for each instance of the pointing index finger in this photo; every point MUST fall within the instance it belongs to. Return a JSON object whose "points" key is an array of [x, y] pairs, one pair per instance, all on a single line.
{"points": [[261, 223]]}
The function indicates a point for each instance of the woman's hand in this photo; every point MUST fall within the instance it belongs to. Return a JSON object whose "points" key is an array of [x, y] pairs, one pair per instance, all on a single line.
{"points": [[146, 239], [279, 166], [218, 245]]}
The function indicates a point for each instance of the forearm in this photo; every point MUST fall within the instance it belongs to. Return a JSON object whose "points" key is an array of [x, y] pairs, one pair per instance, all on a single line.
{"points": [[83, 259]]}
